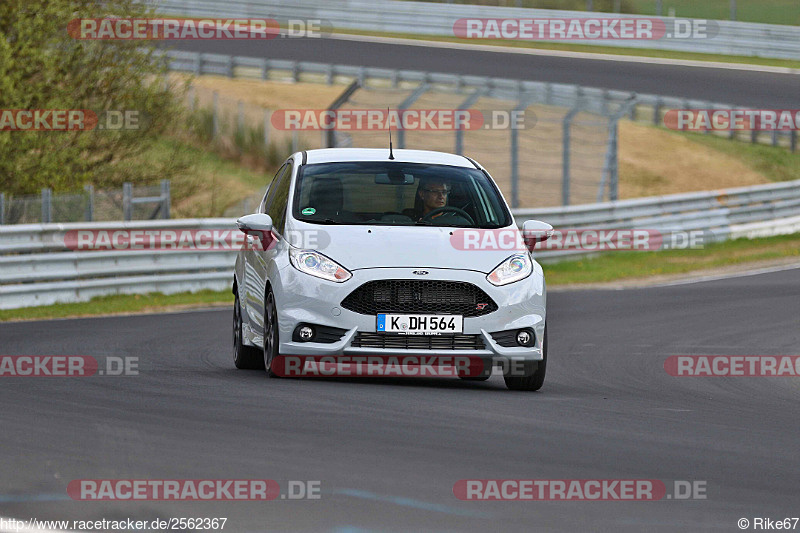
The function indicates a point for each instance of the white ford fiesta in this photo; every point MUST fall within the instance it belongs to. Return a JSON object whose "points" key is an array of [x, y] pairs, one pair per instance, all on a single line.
{"points": [[357, 252]]}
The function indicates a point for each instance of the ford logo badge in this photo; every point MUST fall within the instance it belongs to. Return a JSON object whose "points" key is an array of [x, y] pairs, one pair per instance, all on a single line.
{"points": [[420, 272]]}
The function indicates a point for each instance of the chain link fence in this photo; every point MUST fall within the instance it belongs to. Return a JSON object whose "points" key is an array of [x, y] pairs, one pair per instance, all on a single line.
{"points": [[145, 202]]}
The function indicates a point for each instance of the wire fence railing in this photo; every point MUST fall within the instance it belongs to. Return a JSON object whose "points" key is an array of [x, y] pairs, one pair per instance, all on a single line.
{"points": [[571, 153], [144, 202]]}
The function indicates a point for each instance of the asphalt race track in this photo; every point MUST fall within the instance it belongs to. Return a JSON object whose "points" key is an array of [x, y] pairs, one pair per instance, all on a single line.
{"points": [[388, 452], [736, 87]]}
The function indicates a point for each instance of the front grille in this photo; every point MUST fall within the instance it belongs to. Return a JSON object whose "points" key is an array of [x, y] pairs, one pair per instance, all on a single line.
{"points": [[417, 296], [418, 342]]}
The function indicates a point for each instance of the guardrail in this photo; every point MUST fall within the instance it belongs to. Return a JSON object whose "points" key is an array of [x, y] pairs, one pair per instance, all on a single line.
{"points": [[424, 18], [37, 267]]}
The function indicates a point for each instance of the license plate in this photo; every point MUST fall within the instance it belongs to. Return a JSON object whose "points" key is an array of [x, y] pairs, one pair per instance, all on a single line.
{"points": [[420, 324]]}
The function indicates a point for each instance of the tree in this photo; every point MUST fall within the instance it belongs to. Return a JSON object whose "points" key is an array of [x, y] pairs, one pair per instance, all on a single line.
{"points": [[42, 67]]}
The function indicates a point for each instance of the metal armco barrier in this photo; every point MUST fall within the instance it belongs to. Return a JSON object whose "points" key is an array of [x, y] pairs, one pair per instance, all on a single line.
{"points": [[37, 268], [424, 18]]}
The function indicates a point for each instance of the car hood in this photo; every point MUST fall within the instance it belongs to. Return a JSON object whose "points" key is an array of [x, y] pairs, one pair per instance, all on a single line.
{"points": [[360, 247]]}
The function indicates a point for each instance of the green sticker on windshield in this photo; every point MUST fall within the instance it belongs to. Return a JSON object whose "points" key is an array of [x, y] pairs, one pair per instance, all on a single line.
{"points": [[308, 211]]}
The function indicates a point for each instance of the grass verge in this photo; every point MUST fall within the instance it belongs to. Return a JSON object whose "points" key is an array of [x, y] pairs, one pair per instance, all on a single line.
{"points": [[120, 304], [618, 266], [609, 267]]}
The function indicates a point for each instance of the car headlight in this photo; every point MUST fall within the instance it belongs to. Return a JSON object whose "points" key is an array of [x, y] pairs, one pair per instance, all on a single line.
{"points": [[515, 268], [315, 264]]}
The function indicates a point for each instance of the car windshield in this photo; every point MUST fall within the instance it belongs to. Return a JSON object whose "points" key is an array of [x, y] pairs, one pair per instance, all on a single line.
{"points": [[398, 194]]}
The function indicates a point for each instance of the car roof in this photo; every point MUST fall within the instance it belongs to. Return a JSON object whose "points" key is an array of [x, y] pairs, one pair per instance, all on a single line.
{"points": [[341, 155]]}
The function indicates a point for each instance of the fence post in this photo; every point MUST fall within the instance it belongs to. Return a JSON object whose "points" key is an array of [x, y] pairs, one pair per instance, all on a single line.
{"points": [[405, 104], [657, 112], [793, 140], [266, 128], [514, 153], [611, 165], [466, 104], [339, 102], [2, 207], [265, 70], [198, 64], [295, 140], [47, 206], [613, 175], [230, 66], [215, 113], [127, 204], [89, 213], [240, 117], [165, 199], [565, 155]]}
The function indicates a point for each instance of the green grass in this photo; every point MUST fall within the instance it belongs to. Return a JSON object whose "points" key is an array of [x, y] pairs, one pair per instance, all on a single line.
{"points": [[614, 266], [775, 162], [617, 266], [122, 303], [208, 182], [766, 11]]}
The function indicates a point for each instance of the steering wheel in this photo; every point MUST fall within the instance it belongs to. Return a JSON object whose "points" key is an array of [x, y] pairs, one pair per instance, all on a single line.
{"points": [[451, 209]]}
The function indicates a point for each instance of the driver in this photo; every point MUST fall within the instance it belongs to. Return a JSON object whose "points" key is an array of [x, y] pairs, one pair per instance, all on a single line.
{"points": [[431, 194]]}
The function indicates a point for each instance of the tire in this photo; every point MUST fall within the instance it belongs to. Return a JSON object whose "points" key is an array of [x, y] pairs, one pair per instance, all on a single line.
{"points": [[270, 334], [244, 357], [534, 378]]}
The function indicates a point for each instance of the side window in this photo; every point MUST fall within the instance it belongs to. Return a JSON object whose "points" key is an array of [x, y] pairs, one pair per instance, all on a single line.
{"points": [[270, 191], [278, 200]]}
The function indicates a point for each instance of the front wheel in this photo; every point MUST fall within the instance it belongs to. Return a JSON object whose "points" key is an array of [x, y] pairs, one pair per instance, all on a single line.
{"points": [[534, 372], [244, 357], [270, 333]]}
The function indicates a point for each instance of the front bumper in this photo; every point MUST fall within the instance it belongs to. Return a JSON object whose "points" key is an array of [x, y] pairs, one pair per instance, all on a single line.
{"points": [[305, 299]]}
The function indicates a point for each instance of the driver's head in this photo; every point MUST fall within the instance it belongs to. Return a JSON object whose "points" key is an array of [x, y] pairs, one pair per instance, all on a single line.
{"points": [[433, 194]]}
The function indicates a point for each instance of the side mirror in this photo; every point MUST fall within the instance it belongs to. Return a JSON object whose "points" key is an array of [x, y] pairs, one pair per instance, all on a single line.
{"points": [[535, 231], [258, 225]]}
